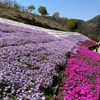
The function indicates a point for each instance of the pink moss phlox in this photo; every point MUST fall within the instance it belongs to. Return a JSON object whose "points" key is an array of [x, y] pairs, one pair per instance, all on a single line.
{"points": [[89, 54], [55, 97], [83, 76], [88, 43]]}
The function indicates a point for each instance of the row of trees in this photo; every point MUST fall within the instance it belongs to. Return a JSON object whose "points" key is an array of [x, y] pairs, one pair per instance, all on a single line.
{"points": [[42, 10], [71, 25]]}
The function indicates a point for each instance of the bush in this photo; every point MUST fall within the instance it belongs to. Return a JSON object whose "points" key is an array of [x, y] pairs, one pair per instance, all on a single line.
{"points": [[72, 25], [42, 10]]}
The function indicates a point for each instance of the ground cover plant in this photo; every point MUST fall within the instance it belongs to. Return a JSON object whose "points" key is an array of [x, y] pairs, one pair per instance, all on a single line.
{"points": [[28, 62], [82, 74]]}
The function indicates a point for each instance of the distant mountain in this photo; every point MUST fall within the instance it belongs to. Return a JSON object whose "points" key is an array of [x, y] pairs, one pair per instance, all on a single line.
{"points": [[90, 28], [95, 23]]}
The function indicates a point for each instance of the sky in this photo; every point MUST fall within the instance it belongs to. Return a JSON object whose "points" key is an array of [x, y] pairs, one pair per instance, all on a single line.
{"points": [[78, 9]]}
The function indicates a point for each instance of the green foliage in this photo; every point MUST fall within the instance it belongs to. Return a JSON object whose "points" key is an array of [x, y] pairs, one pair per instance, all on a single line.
{"points": [[72, 25], [42, 10], [31, 8]]}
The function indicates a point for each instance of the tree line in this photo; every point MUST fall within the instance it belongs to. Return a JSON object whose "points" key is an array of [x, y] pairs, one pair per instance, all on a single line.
{"points": [[41, 9], [71, 24]]}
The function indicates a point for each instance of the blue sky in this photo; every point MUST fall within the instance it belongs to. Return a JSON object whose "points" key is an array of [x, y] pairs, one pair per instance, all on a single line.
{"points": [[79, 9]]}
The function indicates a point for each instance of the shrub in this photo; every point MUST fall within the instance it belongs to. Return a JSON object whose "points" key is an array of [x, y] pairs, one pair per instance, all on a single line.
{"points": [[72, 25], [42, 10]]}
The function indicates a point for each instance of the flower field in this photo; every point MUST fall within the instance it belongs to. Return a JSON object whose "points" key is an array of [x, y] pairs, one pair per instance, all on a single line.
{"points": [[28, 62], [82, 73]]}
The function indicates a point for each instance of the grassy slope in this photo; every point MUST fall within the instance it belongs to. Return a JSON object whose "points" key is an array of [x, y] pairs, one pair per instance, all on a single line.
{"points": [[21, 16]]}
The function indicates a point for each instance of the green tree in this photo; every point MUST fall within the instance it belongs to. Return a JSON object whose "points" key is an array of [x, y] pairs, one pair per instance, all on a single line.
{"points": [[72, 25], [31, 8], [42, 10]]}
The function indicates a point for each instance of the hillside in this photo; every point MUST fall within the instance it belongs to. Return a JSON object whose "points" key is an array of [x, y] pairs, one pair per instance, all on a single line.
{"points": [[89, 29], [95, 22], [28, 18]]}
